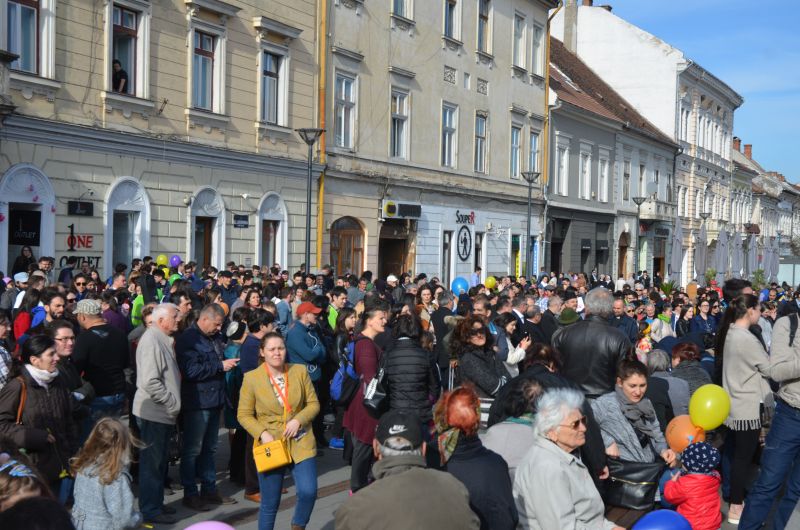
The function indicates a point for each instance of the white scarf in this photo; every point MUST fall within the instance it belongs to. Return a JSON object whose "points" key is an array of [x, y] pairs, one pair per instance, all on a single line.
{"points": [[43, 377]]}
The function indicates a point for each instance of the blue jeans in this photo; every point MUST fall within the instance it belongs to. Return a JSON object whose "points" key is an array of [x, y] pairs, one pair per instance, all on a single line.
{"points": [[152, 465], [101, 407], [271, 483], [200, 437], [780, 458]]}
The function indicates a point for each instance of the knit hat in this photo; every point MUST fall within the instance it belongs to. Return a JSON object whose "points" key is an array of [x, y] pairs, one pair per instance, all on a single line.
{"points": [[700, 457], [88, 307], [568, 316]]}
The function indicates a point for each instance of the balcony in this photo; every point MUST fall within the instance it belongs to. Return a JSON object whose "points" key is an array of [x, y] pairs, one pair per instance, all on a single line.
{"points": [[658, 210]]}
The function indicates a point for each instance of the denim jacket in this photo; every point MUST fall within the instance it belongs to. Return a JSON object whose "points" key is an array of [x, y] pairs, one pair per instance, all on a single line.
{"points": [[200, 360]]}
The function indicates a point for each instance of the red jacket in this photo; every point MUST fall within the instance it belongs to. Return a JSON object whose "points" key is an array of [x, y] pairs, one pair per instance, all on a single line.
{"points": [[697, 499]]}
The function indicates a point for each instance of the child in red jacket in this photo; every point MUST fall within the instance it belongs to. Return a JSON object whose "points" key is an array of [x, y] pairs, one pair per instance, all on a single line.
{"points": [[695, 490]]}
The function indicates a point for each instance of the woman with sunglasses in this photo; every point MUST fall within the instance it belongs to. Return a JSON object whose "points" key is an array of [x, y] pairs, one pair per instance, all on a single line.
{"points": [[552, 486], [477, 361], [628, 420]]}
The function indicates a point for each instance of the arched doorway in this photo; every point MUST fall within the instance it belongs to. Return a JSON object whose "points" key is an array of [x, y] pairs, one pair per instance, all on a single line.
{"points": [[206, 230], [347, 246], [126, 223], [272, 228], [27, 214], [622, 257]]}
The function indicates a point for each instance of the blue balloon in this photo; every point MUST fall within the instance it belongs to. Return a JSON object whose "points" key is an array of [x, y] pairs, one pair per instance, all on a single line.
{"points": [[459, 285], [663, 520]]}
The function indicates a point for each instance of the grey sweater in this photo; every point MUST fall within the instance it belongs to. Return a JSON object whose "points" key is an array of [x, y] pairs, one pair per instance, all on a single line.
{"points": [[615, 427], [158, 379], [745, 370], [104, 507], [784, 362]]}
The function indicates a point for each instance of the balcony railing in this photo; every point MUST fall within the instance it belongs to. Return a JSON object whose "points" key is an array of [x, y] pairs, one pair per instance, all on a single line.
{"points": [[658, 210]]}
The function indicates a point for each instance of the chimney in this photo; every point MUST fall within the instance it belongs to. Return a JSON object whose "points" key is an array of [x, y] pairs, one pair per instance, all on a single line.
{"points": [[737, 143], [588, 3], [571, 26], [748, 151]]}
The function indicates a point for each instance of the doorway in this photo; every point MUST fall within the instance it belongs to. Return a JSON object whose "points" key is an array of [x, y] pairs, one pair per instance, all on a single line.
{"points": [[124, 234], [269, 241], [393, 247], [203, 231], [556, 248], [24, 230], [347, 246], [622, 258]]}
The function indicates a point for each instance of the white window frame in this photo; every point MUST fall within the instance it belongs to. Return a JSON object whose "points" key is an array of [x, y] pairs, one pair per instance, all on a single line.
{"points": [[481, 144], [562, 169], [141, 83], [218, 84], [602, 175], [405, 118], [284, 69], [642, 179], [585, 172], [533, 149], [456, 22], [489, 23], [518, 43], [449, 144], [348, 142], [626, 179], [408, 9], [46, 38], [537, 49], [515, 151]]}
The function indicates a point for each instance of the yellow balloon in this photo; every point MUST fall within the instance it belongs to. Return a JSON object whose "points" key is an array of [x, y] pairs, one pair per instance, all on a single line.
{"points": [[162, 260], [709, 406], [491, 282], [166, 272]]}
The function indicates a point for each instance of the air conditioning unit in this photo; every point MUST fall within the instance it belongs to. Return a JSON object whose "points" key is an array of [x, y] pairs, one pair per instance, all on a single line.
{"points": [[400, 210]]}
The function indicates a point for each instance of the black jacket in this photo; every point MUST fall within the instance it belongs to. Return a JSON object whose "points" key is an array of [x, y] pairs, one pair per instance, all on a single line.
{"points": [[440, 329], [627, 325], [681, 329], [590, 350], [483, 369], [411, 376], [658, 394], [549, 325], [485, 474], [534, 331]]}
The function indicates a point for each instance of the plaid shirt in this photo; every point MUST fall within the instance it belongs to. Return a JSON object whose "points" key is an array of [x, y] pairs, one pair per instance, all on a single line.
{"points": [[5, 366]]}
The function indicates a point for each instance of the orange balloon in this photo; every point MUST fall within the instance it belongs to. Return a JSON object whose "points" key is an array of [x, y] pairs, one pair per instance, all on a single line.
{"points": [[681, 432]]}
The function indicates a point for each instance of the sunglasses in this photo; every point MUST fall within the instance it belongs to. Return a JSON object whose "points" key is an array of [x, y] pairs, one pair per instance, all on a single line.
{"points": [[477, 332], [71, 300], [629, 311], [574, 425], [66, 339], [80, 284]]}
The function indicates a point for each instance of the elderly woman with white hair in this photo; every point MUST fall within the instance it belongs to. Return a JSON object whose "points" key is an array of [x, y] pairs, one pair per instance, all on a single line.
{"points": [[552, 487]]}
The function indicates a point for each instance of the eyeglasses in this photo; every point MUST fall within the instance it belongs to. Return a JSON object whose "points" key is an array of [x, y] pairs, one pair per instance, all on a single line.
{"points": [[629, 311], [71, 300], [80, 284], [66, 339], [574, 425]]}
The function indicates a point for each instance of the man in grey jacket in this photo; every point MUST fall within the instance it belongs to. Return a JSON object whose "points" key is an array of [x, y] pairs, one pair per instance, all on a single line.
{"points": [[156, 406]]}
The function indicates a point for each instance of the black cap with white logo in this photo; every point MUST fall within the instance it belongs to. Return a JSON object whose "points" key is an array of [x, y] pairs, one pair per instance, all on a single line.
{"points": [[401, 424]]}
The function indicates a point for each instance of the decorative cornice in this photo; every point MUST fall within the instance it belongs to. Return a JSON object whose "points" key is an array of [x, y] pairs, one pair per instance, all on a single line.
{"points": [[223, 9], [207, 120], [349, 54], [518, 109], [402, 72], [33, 84], [484, 58], [402, 23], [267, 26]]}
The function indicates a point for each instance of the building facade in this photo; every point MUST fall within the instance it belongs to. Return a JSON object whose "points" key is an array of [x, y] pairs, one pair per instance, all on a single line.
{"points": [[157, 127]]}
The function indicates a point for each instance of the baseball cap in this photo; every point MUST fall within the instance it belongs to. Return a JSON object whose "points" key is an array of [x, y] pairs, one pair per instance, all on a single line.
{"points": [[225, 274], [307, 307], [38, 273], [391, 278], [21, 277], [88, 307], [401, 424]]}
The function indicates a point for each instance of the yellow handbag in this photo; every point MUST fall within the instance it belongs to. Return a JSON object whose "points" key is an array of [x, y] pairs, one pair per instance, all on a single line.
{"points": [[274, 454]]}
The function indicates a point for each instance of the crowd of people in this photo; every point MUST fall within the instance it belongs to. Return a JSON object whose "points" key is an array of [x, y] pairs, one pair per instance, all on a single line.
{"points": [[512, 403]]}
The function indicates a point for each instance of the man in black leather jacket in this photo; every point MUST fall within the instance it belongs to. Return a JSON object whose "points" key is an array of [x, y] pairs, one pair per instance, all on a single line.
{"points": [[591, 348]]}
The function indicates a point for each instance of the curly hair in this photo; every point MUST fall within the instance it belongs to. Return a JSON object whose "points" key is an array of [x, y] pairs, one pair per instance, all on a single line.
{"points": [[460, 342]]}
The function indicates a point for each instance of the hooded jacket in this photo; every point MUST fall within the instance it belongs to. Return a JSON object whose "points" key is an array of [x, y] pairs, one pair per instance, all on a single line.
{"points": [[411, 379], [697, 498]]}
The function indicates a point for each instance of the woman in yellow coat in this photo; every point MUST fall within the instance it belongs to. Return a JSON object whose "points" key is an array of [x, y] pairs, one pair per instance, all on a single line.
{"points": [[277, 400]]}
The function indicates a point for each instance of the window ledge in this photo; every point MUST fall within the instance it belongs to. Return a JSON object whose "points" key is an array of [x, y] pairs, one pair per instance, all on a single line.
{"points": [[207, 120], [537, 77], [402, 23], [127, 104], [30, 84], [451, 43], [484, 57], [518, 71], [342, 150], [271, 131]]}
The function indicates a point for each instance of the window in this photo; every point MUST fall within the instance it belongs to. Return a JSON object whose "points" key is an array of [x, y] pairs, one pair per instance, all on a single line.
{"points": [[23, 29], [585, 173], [447, 258], [626, 180], [203, 71], [656, 175], [519, 41], [401, 8], [516, 132], [125, 28], [642, 181], [270, 86], [399, 132], [480, 143], [537, 54], [562, 170], [449, 124], [533, 151], [344, 110], [602, 180], [484, 26], [347, 246], [451, 19]]}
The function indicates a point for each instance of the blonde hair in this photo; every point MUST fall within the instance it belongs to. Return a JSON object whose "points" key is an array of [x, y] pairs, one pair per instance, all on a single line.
{"points": [[108, 450]]}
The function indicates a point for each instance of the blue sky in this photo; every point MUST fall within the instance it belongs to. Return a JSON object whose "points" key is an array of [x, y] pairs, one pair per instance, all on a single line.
{"points": [[755, 48]]}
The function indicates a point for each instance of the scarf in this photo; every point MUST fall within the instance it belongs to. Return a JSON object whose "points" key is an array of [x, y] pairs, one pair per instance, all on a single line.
{"points": [[43, 377], [447, 439], [640, 415]]}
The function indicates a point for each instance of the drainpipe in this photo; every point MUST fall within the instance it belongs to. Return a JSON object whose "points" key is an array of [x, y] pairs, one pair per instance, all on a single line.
{"points": [[546, 132], [322, 38]]}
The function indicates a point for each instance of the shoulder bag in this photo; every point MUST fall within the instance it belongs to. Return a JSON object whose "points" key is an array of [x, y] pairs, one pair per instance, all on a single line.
{"points": [[376, 398], [633, 485], [274, 454]]}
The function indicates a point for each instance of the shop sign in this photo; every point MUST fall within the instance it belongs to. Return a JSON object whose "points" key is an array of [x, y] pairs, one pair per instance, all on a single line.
{"points": [[241, 221], [662, 232], [465, 218], [80, 208], [586, 244], [78, 241], [25, 227], [464, 243], [602, 244]]}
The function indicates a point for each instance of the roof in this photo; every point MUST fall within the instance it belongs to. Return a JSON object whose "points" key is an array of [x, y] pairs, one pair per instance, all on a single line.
{"points": [[748, 163], [577, 84]]}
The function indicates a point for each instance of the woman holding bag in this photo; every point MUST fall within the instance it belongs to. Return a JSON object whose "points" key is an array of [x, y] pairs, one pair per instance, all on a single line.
{"points": [[278, 402]]}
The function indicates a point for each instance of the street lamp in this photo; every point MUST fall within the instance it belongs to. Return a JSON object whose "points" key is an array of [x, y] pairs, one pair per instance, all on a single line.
{"points": [[530, 177], [309, 136], [638, 201]]}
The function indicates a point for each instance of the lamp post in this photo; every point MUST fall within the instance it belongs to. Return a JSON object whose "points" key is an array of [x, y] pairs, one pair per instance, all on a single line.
{"points": [[530, 177], [309, 136], [704, 216], [638, 201]]}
